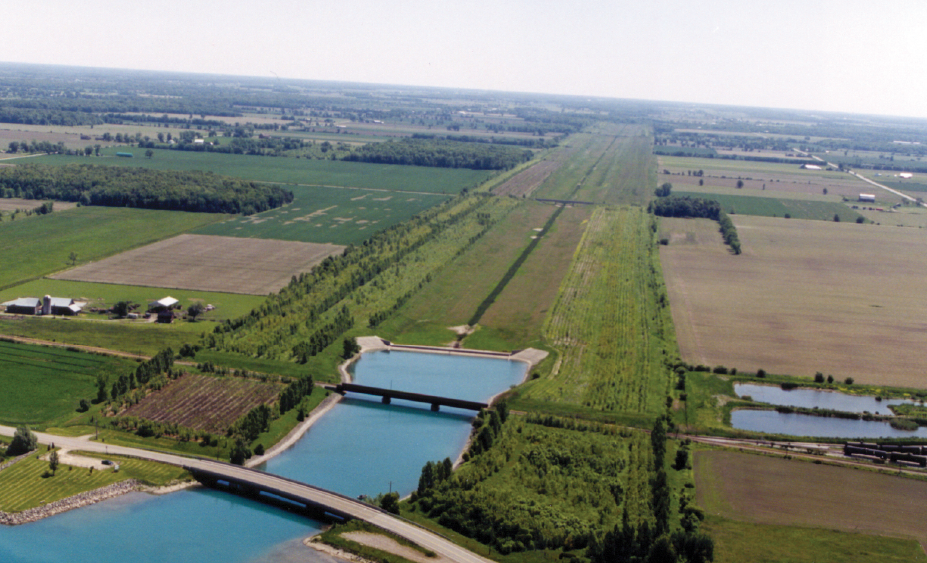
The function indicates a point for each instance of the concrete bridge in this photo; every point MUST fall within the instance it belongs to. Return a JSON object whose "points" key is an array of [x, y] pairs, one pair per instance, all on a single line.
{"points": [[390, 394], [254, 482]]}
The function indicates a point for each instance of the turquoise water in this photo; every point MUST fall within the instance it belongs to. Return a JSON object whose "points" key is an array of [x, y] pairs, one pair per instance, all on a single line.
{"points": [[365, 447], [359, 447]]}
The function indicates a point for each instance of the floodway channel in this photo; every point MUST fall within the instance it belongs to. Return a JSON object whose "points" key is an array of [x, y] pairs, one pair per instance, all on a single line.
{"points": [[337, 503]]}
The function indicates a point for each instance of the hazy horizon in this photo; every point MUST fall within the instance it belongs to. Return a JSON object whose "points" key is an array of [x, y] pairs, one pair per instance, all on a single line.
{"points": [[825, 55]]}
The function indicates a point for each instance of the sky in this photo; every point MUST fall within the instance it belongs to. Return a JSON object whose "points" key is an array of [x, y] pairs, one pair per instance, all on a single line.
{"points": [[848, 56]]}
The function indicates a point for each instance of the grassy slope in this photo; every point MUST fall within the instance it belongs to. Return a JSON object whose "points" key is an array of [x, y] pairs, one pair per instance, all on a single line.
{"points": [[41, 245], [452, 297], [23, 485]]}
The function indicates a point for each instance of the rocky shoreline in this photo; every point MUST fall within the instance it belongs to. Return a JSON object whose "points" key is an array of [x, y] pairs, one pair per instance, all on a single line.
{"points": [[70, 503]]}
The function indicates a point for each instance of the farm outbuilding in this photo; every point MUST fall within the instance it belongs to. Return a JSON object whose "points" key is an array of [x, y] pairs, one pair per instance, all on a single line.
{"points": [[45, 306], [867, 197], [164, 309]]}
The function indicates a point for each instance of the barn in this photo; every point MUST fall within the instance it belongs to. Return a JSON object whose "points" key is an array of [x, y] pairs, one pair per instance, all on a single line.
{"points": [[46, 306], [867, 197]]}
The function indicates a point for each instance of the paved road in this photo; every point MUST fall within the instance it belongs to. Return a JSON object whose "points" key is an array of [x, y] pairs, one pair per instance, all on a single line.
{"points": [[867, 180], [337, 503]]}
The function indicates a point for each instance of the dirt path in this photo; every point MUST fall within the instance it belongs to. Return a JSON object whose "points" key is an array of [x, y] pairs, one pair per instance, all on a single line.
{"points": [[93, 349]]}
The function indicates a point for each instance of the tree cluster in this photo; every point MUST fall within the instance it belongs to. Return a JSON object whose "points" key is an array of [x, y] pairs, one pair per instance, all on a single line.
{"points": [[441, 154], [695, 207], [162, 362], [324, 336], [140, 187], [295, 392]]}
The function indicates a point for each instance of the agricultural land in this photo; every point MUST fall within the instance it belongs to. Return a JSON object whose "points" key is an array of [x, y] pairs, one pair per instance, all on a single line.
{"points": [[207, 263], [804, 296], [546, 241]]}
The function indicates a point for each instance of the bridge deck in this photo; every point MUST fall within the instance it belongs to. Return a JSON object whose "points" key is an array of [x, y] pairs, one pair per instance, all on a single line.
{"points": [[407, 396]]}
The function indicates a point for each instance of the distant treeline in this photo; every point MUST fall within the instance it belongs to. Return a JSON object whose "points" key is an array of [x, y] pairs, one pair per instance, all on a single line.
{"points": [[698, 208], [441, 154], [521, 142], [90, 184]]}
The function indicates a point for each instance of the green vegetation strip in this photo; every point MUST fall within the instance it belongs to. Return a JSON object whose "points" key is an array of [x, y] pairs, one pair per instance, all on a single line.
{"points": [[776, 207], [611, 320]]}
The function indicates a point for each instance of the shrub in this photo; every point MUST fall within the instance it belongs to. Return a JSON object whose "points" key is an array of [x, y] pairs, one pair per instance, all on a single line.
{"points": [[720, 370], [761, 373], [848, 381], [819, 377], [23, 441]]}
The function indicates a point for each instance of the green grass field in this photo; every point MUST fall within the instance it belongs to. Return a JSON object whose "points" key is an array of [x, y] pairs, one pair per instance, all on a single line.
{"points": [[778, 207], [292, 170], [28, 483], [328, 215], [104, 295], [41, 245], [134, 338], [44, 384], [736, 542]]}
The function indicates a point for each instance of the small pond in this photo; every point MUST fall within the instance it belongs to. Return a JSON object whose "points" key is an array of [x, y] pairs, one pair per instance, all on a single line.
{"points": [[795, 424], [811, 398]]}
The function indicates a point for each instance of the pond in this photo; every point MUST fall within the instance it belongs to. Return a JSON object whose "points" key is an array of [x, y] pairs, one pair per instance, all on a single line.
{"points": [[811, 398], [795, 424]]}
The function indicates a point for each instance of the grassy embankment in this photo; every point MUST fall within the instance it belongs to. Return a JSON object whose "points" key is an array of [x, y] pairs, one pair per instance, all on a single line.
{"points": [[29, 483]]}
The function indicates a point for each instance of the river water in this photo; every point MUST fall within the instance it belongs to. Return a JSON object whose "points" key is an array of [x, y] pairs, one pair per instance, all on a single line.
{"points": [[811, 398], [360, 447]]}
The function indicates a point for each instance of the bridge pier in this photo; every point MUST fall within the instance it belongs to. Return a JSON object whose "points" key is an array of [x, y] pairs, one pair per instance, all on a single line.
{"points": [[435, 407], [387, 400]]}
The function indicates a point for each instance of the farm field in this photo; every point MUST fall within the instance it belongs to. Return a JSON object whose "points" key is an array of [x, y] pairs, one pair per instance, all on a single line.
{"points": [[43, 384], [804, 296], [41, 245], [625, 174], [777, 207], [105, 295], [737, 541], [22, 486], [515, 319], [297, 171], [201, 402], [207, 263], [607, 321], [774, 490], [328, 215], [455, 293], [133, 338], [525, 182], [763, 176]]}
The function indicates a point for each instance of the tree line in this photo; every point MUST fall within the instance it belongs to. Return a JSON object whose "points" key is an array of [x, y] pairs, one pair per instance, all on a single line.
{"points": [[696, 207], [90, 184], [441, 153]]}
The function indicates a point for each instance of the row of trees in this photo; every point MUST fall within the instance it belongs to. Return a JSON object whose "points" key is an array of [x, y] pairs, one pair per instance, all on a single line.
{"points": [[696, 207], [441, 154], [140, 187]]}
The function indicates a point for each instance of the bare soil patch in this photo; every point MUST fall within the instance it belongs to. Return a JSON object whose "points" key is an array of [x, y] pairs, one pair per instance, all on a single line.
{"points": [[526, 181], [208, 263], [804, 296], [206, 403], [773, 490], [389, 545]]}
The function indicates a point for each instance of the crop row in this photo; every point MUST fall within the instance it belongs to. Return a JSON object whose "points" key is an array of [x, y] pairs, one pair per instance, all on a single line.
{"points": [[201, 402]]}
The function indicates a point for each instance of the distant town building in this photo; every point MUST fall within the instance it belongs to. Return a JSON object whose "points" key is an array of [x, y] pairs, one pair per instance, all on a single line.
{"points": [[906, 175], [163, 308], [810, 167], [867, 197]]}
